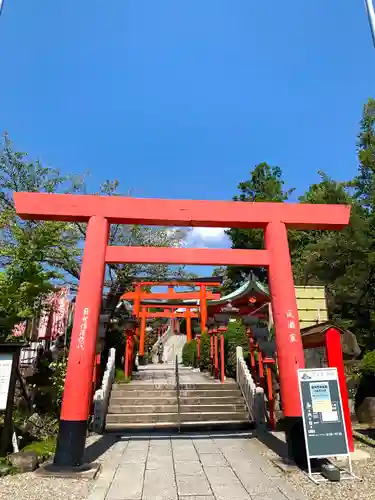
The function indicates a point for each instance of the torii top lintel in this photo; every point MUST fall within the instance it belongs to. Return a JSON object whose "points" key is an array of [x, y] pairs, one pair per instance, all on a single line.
{"points": [[161, 212], [176, 283]]}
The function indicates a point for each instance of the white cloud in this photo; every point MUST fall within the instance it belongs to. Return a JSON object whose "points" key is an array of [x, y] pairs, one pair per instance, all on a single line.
{"points": [[209, 233], [207, 237]]}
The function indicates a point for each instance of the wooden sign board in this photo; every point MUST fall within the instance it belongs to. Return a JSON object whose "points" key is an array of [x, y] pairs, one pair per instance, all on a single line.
{"points": [[6, 360]]}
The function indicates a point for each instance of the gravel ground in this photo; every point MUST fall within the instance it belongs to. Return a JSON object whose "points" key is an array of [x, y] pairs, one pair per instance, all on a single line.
{"points": [[28, 486], [363, 489]]}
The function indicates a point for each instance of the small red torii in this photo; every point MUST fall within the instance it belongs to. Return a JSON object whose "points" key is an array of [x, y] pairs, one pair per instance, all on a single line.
{"points": [[139, 297], [101, 211]]}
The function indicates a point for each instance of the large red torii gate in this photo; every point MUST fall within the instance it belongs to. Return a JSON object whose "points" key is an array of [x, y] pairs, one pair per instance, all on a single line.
{"points": [[100, 211]]}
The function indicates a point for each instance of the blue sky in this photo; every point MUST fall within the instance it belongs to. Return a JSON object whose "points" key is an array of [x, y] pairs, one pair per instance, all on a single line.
{"points": [[182, 98]]}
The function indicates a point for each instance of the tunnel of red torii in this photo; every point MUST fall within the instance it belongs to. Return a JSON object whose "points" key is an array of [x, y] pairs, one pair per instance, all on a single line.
{"points": [[167, 303], [100, 211], [250, 303]]}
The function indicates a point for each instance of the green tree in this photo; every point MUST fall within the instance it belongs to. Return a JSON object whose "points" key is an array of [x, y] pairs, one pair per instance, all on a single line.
{"points": [[33, 255], [226, 284], [343, 261], [265, 184], [364, 182], [204, 361], [234, 336], [339, 260], [36, 256]]}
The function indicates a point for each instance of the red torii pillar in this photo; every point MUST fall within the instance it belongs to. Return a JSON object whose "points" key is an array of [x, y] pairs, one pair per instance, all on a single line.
{"points": [[189, 335], [335, 359], [203, 307], [289, 344], [76, 407], [137, 304], [128, 370], [99, 211], [142, 334]]}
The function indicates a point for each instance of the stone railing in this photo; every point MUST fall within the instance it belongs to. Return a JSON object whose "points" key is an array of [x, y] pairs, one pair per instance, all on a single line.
{"points": [[253, 395], [101, 397]]}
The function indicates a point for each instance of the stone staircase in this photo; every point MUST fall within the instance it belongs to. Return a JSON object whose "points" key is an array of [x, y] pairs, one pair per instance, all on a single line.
{"points": [[172, 346], [208, 405]]}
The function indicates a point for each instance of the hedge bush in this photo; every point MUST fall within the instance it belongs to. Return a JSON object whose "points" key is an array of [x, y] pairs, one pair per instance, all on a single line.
{"points": [[189, 353], [205, 362], [186, 354], [367, 366], [366, 387], [183, 326], [233, 337]]}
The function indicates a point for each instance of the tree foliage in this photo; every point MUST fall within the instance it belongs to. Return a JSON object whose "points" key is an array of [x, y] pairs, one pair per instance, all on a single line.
{"points": [[342, 261], [265, 184], [38, 256], [205, 361], [190, 353], [234, 336], [34, 255]]}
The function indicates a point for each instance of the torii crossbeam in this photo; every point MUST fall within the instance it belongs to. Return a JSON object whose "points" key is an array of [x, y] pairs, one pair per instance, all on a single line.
{"points": [[101, 211]]}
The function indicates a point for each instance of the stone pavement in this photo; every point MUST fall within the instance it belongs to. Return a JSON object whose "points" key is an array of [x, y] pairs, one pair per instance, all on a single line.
{"points": [[188, 467]]}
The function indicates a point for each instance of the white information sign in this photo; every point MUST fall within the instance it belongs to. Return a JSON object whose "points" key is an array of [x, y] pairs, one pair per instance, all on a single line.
{"points": [[323, 416], [6, 360]]}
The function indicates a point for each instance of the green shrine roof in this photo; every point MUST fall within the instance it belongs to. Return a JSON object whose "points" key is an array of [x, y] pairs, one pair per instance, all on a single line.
{"points": [[250, 285]]}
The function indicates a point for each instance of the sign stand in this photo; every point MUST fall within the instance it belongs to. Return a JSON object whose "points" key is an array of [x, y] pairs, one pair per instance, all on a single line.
{"points": [[323, 419], [9, 359]]}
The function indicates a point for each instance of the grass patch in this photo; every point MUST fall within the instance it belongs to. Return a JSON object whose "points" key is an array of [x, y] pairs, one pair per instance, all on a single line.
{"points": [[363, 438], [6, 467], [44, 449], [120, 377]]}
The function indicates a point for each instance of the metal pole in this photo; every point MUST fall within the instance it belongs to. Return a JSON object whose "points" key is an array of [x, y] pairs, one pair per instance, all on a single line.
{"points": [[371, 18], [1, 6]]}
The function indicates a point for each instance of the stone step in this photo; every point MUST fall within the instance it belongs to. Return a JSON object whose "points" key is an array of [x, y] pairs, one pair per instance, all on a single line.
{"points": [[146, 387], [191, 426], [146, 418], [215, 416], [208, 400], [214, 385], [212, 408], [211, 393], [192, 386], [140, 400], [118, 393], [133, 409], [121, 418], [196, 393]]}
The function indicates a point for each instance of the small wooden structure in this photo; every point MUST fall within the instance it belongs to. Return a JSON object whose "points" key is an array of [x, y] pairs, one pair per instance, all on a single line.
{"points": [[338, 343]]}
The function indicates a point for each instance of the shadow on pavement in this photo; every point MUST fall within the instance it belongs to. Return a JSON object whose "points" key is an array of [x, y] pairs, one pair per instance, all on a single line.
{"points": [[274, 443], [98, 448], [95, 450]]}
